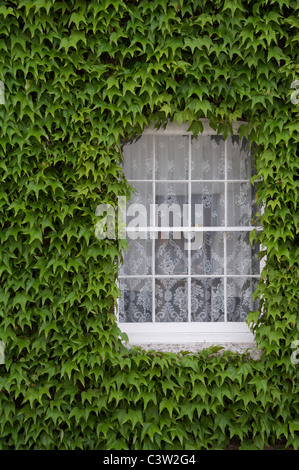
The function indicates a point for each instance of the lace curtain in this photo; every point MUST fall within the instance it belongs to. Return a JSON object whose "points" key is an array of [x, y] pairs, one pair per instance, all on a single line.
{"points": [[211, 278]]}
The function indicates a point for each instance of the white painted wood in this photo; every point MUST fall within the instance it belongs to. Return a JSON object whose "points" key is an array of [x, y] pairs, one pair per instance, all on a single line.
{"points": [[225, 233], [189, 226], [153, 238], [233, 332]]}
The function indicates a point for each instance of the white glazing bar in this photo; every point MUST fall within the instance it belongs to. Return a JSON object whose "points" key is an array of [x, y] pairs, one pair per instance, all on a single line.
{"points": [[184, 332], [153, 223], [189, 225], [224, 234]]}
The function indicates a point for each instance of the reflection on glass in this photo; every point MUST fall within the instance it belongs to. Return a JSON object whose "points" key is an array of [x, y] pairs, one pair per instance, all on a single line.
{"points": [[239, 160], [207, 300], [241, 204], [171, 159], [171, 300], [138, 258], [170, 201], [171, 255], [207, 158], [209, 199], [209, 257], [135, 303], [221, 196], [242, 257], [138, 158]]}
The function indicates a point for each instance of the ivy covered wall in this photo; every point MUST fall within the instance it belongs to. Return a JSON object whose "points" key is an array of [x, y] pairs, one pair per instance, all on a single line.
{"points": [[80, 77]]}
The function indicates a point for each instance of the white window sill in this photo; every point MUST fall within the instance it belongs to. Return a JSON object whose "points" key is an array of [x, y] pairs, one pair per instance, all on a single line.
{"points": [[173, 333]]}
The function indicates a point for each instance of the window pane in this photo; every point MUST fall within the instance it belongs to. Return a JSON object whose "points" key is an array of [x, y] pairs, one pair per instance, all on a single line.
{"points": [[207, 253], [136, 300], [207, 304], [138, 207], [138, 159], [138, 258], [209, 198], [239, 298], [241, 204], [207, 158], [170, 198], [239, 160], [171, 160], [242, 257], [171, 300], [171, 255]]}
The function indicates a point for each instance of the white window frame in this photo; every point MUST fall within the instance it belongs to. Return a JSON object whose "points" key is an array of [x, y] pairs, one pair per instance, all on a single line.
{"points": [[191, 332]]}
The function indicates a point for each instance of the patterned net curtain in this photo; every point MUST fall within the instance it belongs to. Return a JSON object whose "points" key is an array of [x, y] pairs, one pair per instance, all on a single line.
{"points": [[207, 274]]}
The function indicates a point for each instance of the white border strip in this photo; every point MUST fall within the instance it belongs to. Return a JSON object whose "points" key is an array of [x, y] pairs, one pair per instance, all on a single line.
{"points": [[230, 332]]}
